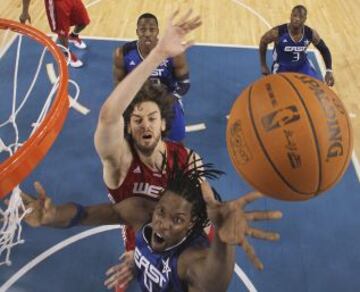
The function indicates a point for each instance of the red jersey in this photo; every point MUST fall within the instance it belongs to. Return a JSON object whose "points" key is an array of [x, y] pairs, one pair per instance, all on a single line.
{"points": [[145, 182]]}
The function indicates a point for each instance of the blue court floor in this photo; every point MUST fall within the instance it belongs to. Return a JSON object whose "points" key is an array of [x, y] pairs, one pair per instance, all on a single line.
{"points": [[319, 247]]}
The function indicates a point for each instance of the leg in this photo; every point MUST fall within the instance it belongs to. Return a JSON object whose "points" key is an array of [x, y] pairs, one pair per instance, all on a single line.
{"points": [[80, 18], [60, 23]]}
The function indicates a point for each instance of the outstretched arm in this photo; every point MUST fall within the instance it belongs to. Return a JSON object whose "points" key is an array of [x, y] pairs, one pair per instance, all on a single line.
{"points": [[212, 270], [109, 138], [25, 16], [267, 38], [326, 55], [133, 211]]}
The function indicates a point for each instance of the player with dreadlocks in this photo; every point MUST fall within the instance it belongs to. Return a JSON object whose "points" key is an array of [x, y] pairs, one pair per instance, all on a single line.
{"points": [[171, 252]]}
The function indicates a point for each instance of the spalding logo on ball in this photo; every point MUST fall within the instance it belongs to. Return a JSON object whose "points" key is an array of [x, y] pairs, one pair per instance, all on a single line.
{"points": [[289, 136]]}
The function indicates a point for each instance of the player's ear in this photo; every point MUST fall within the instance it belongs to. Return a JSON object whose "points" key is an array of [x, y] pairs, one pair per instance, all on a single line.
{"points": [[128, 129], [163, 125]]}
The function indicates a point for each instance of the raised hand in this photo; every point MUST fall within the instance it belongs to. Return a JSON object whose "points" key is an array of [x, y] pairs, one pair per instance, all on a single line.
{"points": [[122, 274], [173, 41], [43, 211], [232, 222]]}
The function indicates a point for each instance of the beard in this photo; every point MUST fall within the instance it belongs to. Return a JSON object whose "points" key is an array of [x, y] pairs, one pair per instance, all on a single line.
{"points": [[148, 149]]}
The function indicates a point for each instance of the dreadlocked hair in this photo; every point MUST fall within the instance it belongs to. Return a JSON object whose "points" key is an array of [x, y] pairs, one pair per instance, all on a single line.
{"points": [[186, 182], [157, 93]]}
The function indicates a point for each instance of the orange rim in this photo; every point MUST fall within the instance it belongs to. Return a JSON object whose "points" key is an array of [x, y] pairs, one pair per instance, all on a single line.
{"points": [[18, 166]]}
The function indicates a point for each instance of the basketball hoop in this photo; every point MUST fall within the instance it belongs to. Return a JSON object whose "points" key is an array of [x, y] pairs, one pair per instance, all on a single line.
{"points": [[25, 156], [17, 167]]}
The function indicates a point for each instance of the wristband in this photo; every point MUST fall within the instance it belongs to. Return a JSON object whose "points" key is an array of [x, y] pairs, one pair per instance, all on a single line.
{"points": [[79, 215]]}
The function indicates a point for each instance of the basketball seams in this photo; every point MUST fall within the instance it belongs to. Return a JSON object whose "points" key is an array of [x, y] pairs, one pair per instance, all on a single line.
{"points": [[264, 150], [312, 129]]}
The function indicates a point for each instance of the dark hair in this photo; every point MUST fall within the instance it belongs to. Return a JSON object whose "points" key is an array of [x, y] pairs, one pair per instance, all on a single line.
{"points": [[157, 93], [186, 183], [147, 15], [300, 7]]}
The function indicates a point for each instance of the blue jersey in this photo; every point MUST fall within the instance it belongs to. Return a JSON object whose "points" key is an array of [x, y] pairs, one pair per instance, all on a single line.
{"points": [[289, 52], [289, 55], [164, 73], [157, 271]]}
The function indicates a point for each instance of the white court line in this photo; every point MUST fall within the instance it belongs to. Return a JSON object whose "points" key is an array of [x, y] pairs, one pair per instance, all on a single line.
{"points": [[73, 103], [195, 127], [356, 164], [253, 12], [249, 285], [221, 45], [7, 46], [92, 3], [59, 246]]}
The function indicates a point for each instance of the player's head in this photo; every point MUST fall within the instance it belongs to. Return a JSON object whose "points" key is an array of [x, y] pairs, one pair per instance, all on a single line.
{"points": [[298, 16], [147, 30], [148, 117], [181, 210]]}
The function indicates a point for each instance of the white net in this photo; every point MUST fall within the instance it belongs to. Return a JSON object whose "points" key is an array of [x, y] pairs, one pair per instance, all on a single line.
{"points": [[16, 127]]}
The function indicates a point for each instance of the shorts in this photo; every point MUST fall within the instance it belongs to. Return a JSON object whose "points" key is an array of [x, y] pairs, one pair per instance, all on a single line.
{"points": [[62, 14], [306, 68]]}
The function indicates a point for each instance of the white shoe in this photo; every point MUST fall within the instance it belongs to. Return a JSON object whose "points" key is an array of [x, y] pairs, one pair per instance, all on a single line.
{"points": [[74, 61], [74, 39]]}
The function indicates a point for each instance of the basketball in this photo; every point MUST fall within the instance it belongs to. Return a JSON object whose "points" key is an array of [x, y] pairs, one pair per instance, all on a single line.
{"points": [[289, 136]]}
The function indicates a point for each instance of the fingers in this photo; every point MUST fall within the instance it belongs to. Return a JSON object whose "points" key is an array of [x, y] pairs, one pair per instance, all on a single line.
{"points": [[261, 234], [186, 23], [251, 254], [184, 18], [118, 275], [40, 190], [48, 204], [173, 15], [27, 199], [208, 195], [248, 198], [263, 215]]}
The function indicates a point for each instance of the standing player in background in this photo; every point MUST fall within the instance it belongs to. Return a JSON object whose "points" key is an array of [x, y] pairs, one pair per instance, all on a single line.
{"points": [[62, 14], [291, 41], [172, 72]]}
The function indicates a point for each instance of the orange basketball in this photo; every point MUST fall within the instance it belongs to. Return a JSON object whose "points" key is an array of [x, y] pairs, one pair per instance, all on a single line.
{"points": [[289, 136]]}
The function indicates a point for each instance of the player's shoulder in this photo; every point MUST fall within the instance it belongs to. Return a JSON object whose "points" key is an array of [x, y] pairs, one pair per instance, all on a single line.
{"points": [[308, 32], [282, 29], [128, 47]]}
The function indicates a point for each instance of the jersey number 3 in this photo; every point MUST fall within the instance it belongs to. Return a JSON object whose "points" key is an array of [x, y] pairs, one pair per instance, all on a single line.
{"points": [[296, 56]]}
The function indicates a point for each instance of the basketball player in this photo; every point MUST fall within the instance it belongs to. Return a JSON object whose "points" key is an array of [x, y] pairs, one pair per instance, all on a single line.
{"points": [[62, 14], [291, 41], [172, 72], [171, 253], [130, 143]]}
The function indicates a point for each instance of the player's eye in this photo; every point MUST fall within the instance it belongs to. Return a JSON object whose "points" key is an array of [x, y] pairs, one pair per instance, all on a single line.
{"points": [[178, 220]]}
